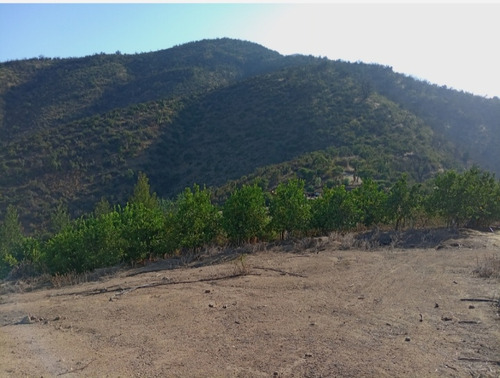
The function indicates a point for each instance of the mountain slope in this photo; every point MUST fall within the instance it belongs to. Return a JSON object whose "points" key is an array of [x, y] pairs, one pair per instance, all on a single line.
{"points": [[234, 130], [73, 130]]}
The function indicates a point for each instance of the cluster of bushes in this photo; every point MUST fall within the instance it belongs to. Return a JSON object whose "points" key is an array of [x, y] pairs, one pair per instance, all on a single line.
{"points": [[149, 227]]}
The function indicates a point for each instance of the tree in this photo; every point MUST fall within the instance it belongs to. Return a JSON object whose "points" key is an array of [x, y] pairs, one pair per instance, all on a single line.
{"points": [[335, 210], [11, 240], [196, 219], [371, 201], [245, 215], [102, 207], [402, 202], [468, 199], [289, 208], [59, 218], [143, 231], [142, 193], [85, 244]]}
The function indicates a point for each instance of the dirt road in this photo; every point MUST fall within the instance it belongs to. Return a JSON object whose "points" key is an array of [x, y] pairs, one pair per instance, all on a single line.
{"points": [[313, 312]]}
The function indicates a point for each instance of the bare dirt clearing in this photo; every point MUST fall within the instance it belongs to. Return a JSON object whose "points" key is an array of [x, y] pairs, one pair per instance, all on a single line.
{"points": [[311, 311]]}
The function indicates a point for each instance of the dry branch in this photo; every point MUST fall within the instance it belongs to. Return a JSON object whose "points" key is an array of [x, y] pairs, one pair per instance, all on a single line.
{"points": [[479, 360], [280, 271], [124, 290], [74, 370]]}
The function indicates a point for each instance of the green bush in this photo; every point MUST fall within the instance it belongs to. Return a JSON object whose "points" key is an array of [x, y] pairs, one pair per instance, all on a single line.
{"points": [[336, 209], [196, 219], [245, 216], [371, 201], [471, 198], [143, 232], [86, 244], [403, 202], [289, 208]]}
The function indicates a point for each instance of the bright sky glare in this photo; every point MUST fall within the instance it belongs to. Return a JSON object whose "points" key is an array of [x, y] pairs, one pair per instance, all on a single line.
{"points": [[445, 43]]}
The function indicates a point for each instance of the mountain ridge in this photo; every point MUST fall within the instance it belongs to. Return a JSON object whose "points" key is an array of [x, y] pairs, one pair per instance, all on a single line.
{"points": [[216, 111]]}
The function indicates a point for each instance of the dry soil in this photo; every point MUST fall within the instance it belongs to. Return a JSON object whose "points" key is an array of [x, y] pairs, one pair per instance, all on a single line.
{"points": [[304, 309]]}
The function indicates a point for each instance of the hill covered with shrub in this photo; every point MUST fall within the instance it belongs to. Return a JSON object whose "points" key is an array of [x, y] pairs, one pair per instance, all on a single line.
{"points": [[222, 113]]}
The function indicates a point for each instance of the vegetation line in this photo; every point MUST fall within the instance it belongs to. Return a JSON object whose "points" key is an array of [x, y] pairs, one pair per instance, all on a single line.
{"points": [[148, 227]]}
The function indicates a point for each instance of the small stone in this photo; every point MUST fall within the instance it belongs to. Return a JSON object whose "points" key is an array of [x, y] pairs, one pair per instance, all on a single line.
{"points": [[308, 354], [275, 374], [407, 338], [224, 306], [436, 305], [207, 291], [26, 320], [211, 305], [471, 307]]}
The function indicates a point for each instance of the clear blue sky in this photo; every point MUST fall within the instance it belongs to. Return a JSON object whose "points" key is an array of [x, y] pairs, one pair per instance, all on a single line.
{"points": [[447, 44]]}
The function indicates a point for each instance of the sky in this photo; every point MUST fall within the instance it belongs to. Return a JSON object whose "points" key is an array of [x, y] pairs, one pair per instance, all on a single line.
{"points": [[448, 43]]}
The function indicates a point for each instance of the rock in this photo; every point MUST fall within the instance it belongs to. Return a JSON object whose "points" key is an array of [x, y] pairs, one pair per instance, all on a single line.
{"points": [[308, 354], [407, 339], [436, 305], [26, 320], [207, 291]]}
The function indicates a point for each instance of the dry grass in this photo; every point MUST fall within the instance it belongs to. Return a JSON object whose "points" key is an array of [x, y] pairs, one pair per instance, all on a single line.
{"points": [[488, 267]]}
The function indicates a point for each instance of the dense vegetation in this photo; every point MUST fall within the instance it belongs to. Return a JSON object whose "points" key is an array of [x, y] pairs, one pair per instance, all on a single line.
{"points": [[148, 227], [222, 113]]}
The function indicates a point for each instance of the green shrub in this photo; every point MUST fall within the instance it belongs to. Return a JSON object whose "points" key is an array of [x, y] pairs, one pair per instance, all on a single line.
{"points": [[245, 216]]}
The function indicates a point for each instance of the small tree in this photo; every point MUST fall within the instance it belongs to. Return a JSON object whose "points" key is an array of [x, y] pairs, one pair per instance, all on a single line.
{"points": [[11, 241], [471, 198], [245, 215], [371, 201], [402, 202], [335, 210], [85, 244], [196, 219], [142, 193], [59, 218], [102, 207], [142, 231], [289, 208]]}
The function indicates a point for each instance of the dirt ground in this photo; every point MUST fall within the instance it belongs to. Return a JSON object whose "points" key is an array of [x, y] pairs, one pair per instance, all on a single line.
{"points": [[305, 309]]}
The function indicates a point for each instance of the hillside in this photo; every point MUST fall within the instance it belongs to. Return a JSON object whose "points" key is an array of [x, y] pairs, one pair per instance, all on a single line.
{"points": [[74, 130]]}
